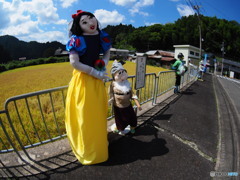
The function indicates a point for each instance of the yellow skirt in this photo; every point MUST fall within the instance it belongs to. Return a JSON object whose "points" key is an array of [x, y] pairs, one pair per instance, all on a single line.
{"points": [[86, 118]]}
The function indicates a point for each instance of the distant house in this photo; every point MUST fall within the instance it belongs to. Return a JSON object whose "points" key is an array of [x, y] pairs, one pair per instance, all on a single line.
{"points": [[119, 53], [139, 54], [232, 68], [114, 53], [60, 53], [133, 56], [167, 59], [22, 58], [153, 54], [161, 58]]}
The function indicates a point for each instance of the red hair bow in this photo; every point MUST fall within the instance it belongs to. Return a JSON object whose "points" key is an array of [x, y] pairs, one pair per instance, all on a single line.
{"points": [[78, 12]]}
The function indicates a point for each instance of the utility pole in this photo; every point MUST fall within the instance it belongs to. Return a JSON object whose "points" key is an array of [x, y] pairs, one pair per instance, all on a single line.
{"points": [[222, 49], [200, 32]]}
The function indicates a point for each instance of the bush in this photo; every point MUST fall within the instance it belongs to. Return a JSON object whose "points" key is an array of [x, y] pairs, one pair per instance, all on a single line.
{"points": [[2, 68], [41, 61], [18, 64], [11, 65], [61, 59], [50, 60]]}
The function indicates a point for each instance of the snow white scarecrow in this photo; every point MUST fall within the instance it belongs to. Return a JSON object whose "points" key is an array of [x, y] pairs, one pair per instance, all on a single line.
{"points": [[121, 94], [86, 102]]}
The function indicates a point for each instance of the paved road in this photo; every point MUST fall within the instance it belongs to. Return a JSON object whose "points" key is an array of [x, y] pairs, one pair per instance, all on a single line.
{"points": [[178, 142], [232, 88], [228, 93]]}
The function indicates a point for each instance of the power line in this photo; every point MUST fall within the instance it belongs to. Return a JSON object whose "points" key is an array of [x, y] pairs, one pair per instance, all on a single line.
{"points": [[196, 8], [214, 7], [202, 8], [189, 5]]}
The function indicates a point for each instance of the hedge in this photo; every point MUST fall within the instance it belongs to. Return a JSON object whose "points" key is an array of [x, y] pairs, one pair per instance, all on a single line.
{"points": [[18, 64]]}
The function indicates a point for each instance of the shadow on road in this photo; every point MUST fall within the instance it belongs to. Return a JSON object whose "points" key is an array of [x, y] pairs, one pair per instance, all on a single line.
{"points": [[129, 148]]}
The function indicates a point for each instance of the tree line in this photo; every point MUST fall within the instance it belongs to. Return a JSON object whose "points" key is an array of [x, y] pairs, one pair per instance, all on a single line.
{"points": [[183, 31], [158, 36], [12, 48]]}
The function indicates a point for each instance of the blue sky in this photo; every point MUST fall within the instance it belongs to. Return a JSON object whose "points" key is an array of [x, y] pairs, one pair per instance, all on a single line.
{"points": [[47, 20]]}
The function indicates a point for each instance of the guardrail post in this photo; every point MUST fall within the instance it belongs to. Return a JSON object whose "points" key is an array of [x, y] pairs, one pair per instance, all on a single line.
{"points": [[155, 90], [9, 139]]}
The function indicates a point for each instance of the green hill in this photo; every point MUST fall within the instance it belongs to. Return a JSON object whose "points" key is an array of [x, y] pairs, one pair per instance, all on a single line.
{"points": [[16, 48]]}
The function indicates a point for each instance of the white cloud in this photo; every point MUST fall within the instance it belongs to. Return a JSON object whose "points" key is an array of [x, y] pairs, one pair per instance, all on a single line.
{"points": [[108, 17], [48, 37], [22, 29], [67, 3], [44, 11], [62, 22], [4, 17], [25, 19], [132, 21], [123, 2], [140, 4], [184, 10]]}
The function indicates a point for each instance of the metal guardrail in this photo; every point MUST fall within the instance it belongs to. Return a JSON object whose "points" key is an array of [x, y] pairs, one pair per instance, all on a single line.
{"points": [[37, 118], [27, 114], [145, 94]]}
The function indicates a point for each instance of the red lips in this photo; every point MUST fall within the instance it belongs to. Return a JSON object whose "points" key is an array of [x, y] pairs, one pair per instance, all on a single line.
{"points": [[92, 27]]}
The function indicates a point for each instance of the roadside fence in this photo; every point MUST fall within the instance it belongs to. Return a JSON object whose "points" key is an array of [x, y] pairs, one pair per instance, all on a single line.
{"points": [[37, 118]]}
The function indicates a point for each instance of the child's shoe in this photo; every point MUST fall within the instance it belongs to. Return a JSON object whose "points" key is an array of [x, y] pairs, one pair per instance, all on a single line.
{"points": [[132, 130], [116, 130], [122, 133]]}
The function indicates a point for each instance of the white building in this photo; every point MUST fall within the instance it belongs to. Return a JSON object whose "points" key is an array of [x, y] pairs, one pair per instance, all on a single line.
{"points": [[190, 53]]}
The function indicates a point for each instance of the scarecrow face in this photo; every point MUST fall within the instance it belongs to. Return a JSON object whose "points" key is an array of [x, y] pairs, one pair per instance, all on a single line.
{"points": [[121, 75], [88, 24]]}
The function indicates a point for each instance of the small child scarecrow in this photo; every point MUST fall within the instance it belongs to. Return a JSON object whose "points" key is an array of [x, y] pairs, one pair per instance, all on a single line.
{"points": [[121, 94]]}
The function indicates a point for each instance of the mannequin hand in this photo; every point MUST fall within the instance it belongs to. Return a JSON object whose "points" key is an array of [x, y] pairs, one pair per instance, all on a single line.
{"points": [[110, 101], [140, 108], [98, 74]]}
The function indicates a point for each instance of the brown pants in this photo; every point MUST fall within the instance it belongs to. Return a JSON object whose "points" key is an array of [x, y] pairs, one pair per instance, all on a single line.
{"points": [[124, 117]]}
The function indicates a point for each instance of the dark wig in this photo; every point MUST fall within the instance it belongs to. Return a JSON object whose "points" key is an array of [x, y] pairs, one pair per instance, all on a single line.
{"points": [[76, 29]]}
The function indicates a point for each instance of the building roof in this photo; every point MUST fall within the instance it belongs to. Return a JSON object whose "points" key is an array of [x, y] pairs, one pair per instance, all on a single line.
{"points": [[140, 54], [155, 57], [167, 53], [119, 50], [167, 59], [187, 46], [60, 52], [234, 63], [153, 52]]}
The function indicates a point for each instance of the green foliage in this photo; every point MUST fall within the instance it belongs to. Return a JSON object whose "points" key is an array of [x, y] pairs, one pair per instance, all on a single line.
{"points": [[184, 31], [30, 50], [18, 64], [2, 68], [49, 52], [4, 55], [119, 35]]}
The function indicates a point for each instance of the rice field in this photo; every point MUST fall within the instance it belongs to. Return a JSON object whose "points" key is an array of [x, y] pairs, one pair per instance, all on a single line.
{"points": [[33, 126], [35, 78]]}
